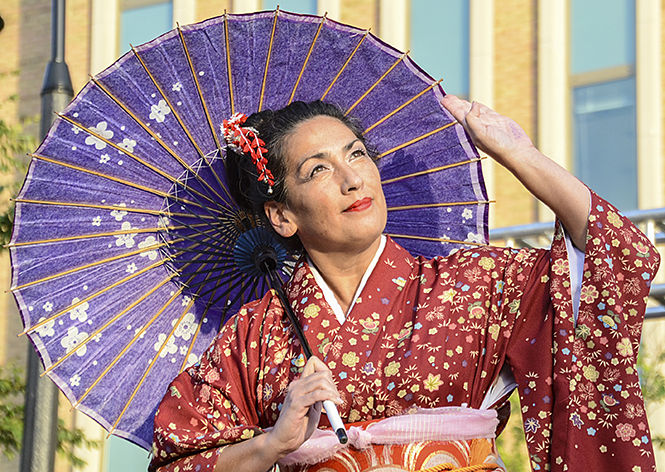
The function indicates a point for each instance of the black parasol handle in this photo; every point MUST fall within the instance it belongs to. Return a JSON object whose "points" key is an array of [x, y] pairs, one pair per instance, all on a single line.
{"points": [[266, 260]]}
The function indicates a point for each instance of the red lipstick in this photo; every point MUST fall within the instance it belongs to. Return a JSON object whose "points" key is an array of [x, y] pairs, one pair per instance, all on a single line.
{"points": [[360, 205]]}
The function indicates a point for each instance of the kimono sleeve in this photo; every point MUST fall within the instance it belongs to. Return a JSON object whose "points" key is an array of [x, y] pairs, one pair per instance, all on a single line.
{"points": [[213, 404], [581, 400]]}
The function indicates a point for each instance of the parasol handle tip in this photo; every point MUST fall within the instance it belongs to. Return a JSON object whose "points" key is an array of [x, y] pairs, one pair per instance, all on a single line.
{"points": [[335, 421]]}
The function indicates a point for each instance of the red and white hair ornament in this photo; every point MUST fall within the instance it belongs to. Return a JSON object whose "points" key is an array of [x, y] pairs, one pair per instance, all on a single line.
{"points": [[245, 139]]}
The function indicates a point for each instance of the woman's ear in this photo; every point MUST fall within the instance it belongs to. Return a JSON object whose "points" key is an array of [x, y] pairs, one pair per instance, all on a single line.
{"points": [[280, 218]]}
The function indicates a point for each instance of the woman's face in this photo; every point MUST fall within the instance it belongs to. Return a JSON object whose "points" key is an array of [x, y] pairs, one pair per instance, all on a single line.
{"points": [[334, 202]]}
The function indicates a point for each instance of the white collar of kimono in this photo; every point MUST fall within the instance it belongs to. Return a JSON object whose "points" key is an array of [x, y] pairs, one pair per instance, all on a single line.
{"points": [[328, 293]]}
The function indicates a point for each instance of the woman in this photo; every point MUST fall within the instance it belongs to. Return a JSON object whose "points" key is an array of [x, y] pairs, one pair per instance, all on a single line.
{"points": [[419, 333]]}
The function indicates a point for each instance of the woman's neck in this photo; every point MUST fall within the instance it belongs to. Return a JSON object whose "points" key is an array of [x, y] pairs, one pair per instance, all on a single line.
{"points": [[344, 271]]}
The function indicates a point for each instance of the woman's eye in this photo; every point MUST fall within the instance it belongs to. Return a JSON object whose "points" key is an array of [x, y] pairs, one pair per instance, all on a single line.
{"points": [[359, 153], [316, 170]]}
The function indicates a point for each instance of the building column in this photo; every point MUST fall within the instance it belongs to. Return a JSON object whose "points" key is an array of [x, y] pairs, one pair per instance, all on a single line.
{"points": [[184, 12], [394, 19], [481, 71], [553, 94], [103, 34], [649, 97]]}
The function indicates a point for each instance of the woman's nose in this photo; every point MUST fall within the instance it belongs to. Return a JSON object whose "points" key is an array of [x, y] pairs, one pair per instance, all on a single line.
{"points": [[351, 179]]}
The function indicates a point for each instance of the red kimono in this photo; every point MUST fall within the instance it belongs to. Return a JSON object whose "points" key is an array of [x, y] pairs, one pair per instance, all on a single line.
{"points": [[433, 333]]}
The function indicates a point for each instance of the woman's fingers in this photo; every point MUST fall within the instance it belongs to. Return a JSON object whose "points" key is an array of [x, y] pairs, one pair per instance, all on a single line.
{"points": [[457, 107]]}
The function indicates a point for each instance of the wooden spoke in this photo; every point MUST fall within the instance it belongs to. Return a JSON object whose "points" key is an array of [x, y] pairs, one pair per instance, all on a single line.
{"points": [[309, 53]]}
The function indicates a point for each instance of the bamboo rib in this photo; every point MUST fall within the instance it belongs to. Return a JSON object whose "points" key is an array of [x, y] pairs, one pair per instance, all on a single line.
{"points": [[198, 87], [96, 235], [96, 294], [154, 136], [430, 171], [136, 336], [150, 366], [90, 297], [91, 264], [265, 71], [415, 140], [346, 63], [107, 324], [408, 102], [435, 205], [367, 92], [228, 61], [122, 352], [108, 207], [309, 53], [176, 115], [425, 238], [205, 109], [144, 188]]}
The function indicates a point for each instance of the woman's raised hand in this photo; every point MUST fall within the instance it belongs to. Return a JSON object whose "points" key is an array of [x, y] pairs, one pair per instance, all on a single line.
{"points": [[499, 136], [301, 411]]}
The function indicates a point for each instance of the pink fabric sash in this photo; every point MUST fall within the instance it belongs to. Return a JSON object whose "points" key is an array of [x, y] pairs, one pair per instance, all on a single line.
{"points": [[435, 424]]}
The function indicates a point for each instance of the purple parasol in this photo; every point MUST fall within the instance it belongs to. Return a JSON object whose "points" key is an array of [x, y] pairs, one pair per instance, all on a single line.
{"points": [[128, 251]]}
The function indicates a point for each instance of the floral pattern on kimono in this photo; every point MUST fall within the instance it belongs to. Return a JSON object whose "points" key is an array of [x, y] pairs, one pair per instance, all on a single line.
{"points": [[433, 333]]}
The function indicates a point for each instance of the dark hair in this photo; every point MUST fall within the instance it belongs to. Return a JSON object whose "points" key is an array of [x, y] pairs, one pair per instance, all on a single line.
{"points": [[273, 128]]}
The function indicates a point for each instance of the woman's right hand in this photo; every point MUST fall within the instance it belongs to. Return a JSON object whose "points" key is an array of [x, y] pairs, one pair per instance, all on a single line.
{"points": [[301, 410]]}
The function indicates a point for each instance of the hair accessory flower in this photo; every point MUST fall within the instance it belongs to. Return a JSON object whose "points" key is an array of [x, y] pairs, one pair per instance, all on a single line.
{"points": [[246, 139]]}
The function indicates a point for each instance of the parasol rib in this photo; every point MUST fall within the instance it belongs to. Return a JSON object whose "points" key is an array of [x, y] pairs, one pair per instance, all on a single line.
{"points": [[435, 205], [158, 171], [234, 299], [92, 264], [150, 366], [220, 234], [442, 240], [113, 319], [184, 128], [205, 109], [90, 297], [228, 61], [96, 235], [265, 70], [369, 90], [411, 100], [430, 171], [157, 139], [95, 295], [309, 53], [106, 207], [124, 349], [415, 140], [144, 188], [198, 329], [346, 63]]}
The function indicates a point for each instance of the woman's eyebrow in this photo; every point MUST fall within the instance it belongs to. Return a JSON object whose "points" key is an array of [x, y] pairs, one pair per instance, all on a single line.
{"points": [[319, 155]]}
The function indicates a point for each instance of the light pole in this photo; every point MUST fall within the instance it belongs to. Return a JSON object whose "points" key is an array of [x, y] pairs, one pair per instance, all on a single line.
{"points": [[41, 398]]}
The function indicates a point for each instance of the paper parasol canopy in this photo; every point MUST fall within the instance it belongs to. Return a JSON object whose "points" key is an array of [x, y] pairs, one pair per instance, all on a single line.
{"points": [[127, 250]]}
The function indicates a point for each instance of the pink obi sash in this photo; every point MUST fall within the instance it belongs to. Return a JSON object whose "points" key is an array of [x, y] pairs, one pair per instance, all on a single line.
{"points": [[433, 424]]}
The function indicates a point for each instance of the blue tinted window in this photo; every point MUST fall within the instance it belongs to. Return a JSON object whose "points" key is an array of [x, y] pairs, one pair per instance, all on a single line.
{"points": [[605, 140], [602, 34], [439, 41], [295, 6], [138, 25]]}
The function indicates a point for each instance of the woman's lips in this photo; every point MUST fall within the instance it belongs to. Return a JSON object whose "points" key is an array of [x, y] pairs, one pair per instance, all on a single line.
{"points": [[360, 205]]}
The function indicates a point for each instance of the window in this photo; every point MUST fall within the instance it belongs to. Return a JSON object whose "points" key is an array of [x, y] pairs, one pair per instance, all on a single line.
{"points": [[439, 41], [602, 66], [143, 20], [296, 6]]}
